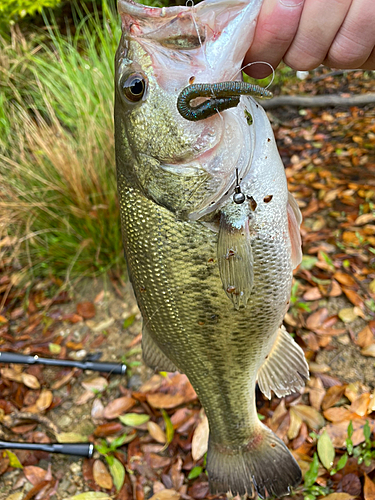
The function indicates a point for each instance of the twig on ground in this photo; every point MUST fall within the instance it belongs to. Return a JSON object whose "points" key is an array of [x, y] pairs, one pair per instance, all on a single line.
{"points": [[319, 101], [15, 418]]}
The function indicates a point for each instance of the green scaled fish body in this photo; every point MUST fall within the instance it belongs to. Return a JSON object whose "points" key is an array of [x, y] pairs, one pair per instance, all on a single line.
{"points": [[212, 278]]}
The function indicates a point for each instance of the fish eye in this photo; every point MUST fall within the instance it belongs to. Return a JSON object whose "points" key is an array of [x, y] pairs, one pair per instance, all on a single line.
{"points": [[133, 87]]}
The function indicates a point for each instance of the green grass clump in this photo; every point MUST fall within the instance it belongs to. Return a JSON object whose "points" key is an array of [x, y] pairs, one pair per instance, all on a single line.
{"points": [[14, 10], [58, 200]]}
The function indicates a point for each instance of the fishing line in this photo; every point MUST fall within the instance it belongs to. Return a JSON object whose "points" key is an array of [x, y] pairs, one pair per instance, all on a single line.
{"points": [[190, 3], [258, 62]]}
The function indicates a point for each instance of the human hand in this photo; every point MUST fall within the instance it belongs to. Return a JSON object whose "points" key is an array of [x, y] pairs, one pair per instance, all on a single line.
{"points": [[307, 33]]}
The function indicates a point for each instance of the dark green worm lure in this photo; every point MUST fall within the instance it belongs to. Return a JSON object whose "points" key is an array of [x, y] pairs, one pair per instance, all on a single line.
{"points": [[223, 95]]}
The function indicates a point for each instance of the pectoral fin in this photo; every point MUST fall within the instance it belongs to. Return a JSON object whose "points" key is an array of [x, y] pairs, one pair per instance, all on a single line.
{"points": [[153, 356], [235, 260], [285, 369]]}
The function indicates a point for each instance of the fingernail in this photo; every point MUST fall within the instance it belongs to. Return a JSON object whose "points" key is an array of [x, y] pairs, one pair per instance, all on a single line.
{"points": [[291, 3]]}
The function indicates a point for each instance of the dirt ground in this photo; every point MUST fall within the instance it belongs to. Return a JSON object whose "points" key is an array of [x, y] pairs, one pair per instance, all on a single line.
{"points": [[325, 152]]}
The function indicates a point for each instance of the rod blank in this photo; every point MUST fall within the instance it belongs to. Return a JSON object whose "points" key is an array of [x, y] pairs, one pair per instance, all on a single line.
{"points": [[78, 449], [10, 357]]}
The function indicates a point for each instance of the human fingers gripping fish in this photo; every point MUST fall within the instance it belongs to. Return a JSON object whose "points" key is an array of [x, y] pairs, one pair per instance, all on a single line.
{"points": [[212, 275]]}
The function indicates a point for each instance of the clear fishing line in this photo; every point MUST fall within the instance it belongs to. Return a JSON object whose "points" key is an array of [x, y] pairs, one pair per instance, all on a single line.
{"points": [[190, 3], [258, 62]]}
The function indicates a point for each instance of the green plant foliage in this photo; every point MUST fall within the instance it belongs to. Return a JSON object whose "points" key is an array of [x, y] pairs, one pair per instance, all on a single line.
{"points": [[57, 165], [310, 489], [326, 451], [13, 10]]}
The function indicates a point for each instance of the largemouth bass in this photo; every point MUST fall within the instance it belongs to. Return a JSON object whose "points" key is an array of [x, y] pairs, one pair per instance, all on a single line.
{"points": [[211, 273]]}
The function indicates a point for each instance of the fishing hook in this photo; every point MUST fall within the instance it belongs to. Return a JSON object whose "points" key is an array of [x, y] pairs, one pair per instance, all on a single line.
{"points": [[238, 196], [223, 95]]}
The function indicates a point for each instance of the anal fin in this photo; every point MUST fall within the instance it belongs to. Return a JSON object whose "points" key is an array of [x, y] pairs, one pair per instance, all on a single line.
{"points": [[153, 356], [294, 223], [285, 369], [235, 259]]}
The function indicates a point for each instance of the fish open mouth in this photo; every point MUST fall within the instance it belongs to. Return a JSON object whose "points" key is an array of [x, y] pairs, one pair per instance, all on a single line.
{"points": [[206, 42], [202, 44]]}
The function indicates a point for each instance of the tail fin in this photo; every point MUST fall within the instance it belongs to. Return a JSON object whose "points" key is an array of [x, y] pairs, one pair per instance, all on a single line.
{"points": [[265, 466]]}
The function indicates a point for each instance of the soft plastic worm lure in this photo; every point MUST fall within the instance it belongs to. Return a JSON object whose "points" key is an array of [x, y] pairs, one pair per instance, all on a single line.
{"points": [[223, 95]]}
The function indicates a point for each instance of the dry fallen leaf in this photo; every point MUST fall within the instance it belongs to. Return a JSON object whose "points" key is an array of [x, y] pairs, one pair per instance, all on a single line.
{"points": [[316, 319], [369, 351], [316, 392], [347, 314], [97, 410], [353, 390], [338, 496], [333, 396], [156, 432], [90, 495], [101, 475], [278, 415], [199, 443], [71, 437], [95, 384], [344, 278], [84, 397], [11, 374], [16, 496], [86, 310], [360, 404], [310, 416], [44, 400], [35, 474], [64, 380], [365, 337], [368, 489], [364, 219], [338, 414], [295, 424], [166, 401], [354, 298], [118, 406], [30, 381], [338, 432], [319, 368], [336, 290], [312, 294], [166, 495]]}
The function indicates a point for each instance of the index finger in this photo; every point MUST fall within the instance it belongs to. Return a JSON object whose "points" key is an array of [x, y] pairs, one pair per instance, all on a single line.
{"points": [[276, 27]]}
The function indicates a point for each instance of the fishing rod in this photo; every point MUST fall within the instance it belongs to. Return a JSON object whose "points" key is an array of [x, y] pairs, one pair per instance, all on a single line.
{"points": [[78, 449], [10, 357]]}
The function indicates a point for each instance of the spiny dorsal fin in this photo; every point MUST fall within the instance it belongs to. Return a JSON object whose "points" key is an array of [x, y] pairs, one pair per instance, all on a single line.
{"points": [[285, 368], [235, 260]]}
